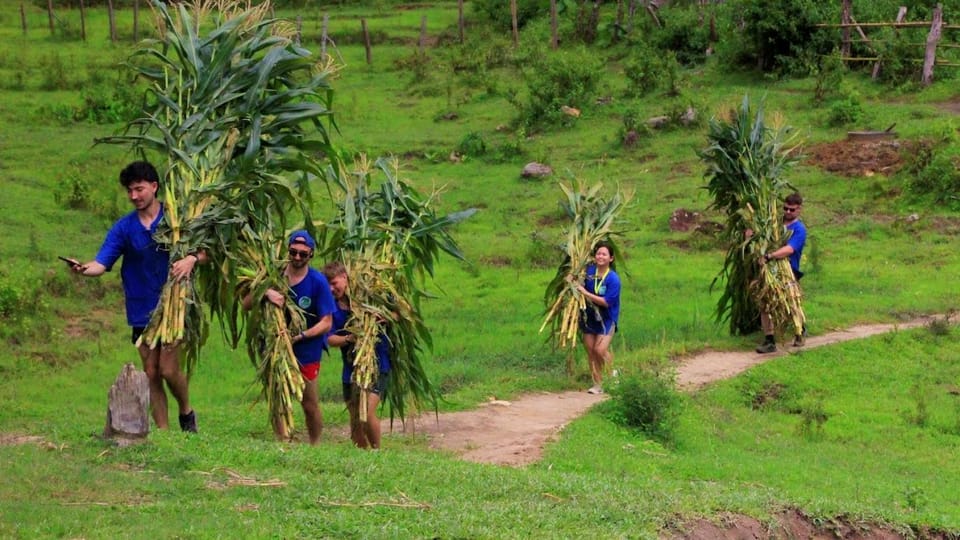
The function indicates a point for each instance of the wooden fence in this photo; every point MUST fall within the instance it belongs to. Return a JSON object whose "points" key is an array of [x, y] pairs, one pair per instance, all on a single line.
{"points": [[933, 41]]}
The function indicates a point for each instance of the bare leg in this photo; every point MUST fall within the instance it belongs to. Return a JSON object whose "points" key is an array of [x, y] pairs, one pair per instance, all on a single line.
{"points": [[593, 359], [603, 352], [176, 380], [357, 434], [766, 324], [313, 416], [158, 396], [372, 427]]}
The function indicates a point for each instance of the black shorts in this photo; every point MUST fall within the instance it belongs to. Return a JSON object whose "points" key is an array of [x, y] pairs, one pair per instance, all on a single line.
{"points": [[135, 333], [379, 388]]}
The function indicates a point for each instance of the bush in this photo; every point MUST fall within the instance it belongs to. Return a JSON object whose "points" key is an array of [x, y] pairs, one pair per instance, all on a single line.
{"points": [[685, 33], [648, 402], [498, 12], [557, 79], [472, 144], [776, 36], [845, 110]]}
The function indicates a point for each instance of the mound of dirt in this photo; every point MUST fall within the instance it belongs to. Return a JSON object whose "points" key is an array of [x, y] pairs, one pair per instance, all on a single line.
{"points": [[859, 158]]}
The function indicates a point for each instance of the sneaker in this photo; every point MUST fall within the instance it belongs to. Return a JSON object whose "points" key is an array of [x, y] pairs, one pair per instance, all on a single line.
{"points": [[188, 422], [767, 347], [616, 373], [595, 389], [799, 341]]}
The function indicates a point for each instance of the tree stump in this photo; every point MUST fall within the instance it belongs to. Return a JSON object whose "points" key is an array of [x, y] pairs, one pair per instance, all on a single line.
{"points": [[128, 406]]}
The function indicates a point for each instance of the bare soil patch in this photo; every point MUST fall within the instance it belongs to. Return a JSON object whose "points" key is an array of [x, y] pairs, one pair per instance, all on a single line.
{"points": [[859, 158]]}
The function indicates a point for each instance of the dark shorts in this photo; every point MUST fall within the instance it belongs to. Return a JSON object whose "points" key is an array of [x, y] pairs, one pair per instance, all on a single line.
{"points": [[379, 388], [135, 333], [596, 327]]}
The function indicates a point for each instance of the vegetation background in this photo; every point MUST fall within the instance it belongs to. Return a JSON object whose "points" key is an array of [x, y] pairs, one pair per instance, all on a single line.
{"points": [[866, 430]]}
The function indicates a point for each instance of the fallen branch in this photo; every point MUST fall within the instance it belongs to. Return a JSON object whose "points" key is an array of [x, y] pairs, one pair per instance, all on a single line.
{"points": [[404, 503]]}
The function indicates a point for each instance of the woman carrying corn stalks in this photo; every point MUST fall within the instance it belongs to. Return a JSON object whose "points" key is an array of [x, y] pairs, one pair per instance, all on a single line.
{"points": [[310, 291], [598, 321], [793, 250], [363, 434], [145, 269]]}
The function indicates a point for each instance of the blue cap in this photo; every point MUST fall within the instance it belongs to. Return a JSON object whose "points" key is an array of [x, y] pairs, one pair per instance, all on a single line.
{"points": [[302, 237]]}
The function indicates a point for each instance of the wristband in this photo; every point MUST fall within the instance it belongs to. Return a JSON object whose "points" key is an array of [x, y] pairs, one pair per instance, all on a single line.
{"points": [[303, 335]]}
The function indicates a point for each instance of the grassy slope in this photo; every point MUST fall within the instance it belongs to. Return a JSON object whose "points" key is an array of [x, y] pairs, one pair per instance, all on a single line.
{"points": [[872, 457]]}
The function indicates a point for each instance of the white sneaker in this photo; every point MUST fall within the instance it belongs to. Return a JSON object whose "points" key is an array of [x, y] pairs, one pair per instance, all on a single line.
{"points": [[595, 389], [616, 373]]}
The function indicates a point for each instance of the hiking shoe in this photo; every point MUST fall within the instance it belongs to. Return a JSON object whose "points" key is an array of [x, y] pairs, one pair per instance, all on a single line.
{"points": [[767, 347], [595, 389], [799, 341], [188, 422]]}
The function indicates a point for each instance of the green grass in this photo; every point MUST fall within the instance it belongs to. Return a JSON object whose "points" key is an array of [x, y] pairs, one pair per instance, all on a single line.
{"points": [[878, 455]]}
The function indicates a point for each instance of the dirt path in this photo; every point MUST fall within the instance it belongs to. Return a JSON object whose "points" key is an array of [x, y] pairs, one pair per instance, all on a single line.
{"points": [[513, 433]]}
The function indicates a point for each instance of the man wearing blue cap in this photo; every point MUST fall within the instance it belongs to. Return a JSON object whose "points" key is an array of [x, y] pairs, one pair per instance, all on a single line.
{"points": [[311, 292]]}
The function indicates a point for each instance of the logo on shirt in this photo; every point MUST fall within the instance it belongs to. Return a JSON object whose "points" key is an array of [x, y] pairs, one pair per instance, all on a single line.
{"points": [[602, 290], [304, 302]]}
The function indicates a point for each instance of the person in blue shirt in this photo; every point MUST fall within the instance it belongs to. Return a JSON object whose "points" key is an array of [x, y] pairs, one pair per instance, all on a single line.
{"points": [[145, 268], [310, 291], [598, 321], [363, 434], [793, 249]]}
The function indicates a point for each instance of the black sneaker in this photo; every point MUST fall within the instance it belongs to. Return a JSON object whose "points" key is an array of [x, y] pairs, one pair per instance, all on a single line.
{"points": [[188, 422], [767, 347]]}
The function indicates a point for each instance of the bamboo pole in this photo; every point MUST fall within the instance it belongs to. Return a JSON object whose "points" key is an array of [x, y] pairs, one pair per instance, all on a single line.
{"points": [[930, 55], [111, 16], [554, 39], [513, 18], [83, 21]]}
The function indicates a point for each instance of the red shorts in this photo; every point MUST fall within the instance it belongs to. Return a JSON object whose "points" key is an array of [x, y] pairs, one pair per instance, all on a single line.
{"points": [[310, 371]]}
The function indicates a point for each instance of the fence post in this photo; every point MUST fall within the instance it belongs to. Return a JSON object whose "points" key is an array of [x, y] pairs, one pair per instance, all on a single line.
{"points": [[111, 16], [299, 28], [50, 15], [83, 21], [423, 34], [930, 56], [513, 17], [460, 22], [366, 40], [323, 36], [845, 31], [23, 19], [554, 40], [136, 21]]}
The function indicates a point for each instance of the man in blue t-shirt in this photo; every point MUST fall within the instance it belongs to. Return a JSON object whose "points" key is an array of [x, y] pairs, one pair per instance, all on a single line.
{"points": [[310, 291], [793, 250], [143, 273]]}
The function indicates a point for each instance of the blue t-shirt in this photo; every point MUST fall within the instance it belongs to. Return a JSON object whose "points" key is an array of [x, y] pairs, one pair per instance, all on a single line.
{"points": [[382, 348], [798, 237], [313, 296], [607, 286], [145, 264]]}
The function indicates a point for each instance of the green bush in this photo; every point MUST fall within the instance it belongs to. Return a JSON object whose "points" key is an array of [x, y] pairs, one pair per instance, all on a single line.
{"points": [[648, 402], [557, 79], [472, 144], [845, 111], [685, 32], [498, 12]]}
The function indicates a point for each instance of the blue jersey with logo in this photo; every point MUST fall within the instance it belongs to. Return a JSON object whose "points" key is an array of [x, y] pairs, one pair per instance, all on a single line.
{"points": [[313, 296], [144, 268], [798, 237], [608, 286]]}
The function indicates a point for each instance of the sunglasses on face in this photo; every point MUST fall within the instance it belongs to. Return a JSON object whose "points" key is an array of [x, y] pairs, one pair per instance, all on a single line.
{"points": [[790, 208], [296, 253]]}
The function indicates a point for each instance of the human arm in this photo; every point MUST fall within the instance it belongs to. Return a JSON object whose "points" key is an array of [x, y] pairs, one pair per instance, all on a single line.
{"points": [[317, 330], [271, 295], [90, 269], [182, 268], [340, 340]]}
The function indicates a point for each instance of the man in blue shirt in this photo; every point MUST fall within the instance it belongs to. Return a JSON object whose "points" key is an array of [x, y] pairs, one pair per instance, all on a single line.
{"points": [[143, 273], [793, 250]]}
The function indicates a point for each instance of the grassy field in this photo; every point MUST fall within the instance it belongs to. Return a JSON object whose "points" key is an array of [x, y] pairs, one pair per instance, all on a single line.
{"points": [[866, 429]]}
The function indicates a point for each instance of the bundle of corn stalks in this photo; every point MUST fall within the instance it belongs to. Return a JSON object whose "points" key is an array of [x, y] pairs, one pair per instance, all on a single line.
{"points": [[593, 218], [231, 110], [389, 237], [746, 163]]}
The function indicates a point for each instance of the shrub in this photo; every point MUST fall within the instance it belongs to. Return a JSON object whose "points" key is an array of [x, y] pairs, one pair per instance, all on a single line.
{"points": [[498, 12], [557, 79], [647, 402], [472, 144], [685, 33], [845, 110], [110, 103], [776, 36], [933, 169]]}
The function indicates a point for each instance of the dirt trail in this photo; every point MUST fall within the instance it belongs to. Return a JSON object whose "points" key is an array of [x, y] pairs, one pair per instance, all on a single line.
{"points": [[513, 433]]}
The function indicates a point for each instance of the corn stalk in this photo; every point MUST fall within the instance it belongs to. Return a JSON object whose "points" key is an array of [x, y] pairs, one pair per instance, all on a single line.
{"points": [[389, 238], [234, 105], [746, 165], [593, 217]]}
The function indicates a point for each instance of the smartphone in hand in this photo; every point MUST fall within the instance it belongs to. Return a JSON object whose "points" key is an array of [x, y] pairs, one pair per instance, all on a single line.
{"points": [[70, 262]]}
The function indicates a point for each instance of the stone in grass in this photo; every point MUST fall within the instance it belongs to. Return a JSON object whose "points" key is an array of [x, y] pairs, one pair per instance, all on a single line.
{"points": [[128, 406], [536, 170]]}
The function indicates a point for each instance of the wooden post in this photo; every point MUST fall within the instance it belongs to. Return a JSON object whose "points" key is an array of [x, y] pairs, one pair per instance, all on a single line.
{"points": [[460, 21], [136, 21], [930, 56], [554, 39], [366, 40], [111, 16], [299, 28], [323, 36], [619, 24], [845, 32], [83, 21], [128, 405], [423, 34], [50, 15], [23, 19], [513, 17]]}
